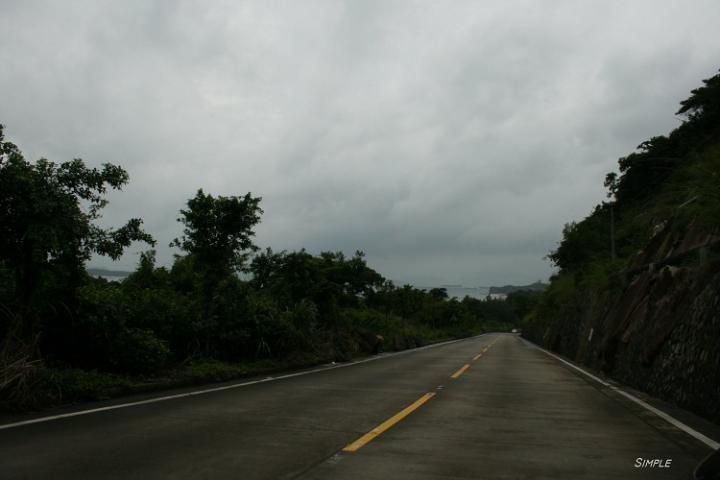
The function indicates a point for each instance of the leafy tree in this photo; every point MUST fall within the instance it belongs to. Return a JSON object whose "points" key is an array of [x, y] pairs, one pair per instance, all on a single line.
{"points": [[703, 105], [522, 302], [264, 267], [145, 276], [643, 171], [218, 231], [325, 279], [585, 240], [47, 212], [438, 293], [218, 239]]}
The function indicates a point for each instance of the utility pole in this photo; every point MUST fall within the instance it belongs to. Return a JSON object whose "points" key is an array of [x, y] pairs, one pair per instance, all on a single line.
{"points": [[612, 231]]}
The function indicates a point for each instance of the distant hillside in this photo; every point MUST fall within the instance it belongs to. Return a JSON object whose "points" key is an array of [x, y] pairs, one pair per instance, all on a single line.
{"points": [[535, 287], [102, 272]]}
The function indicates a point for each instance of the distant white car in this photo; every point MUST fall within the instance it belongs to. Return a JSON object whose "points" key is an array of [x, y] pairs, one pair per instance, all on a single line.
{"points": [[514, 330]]}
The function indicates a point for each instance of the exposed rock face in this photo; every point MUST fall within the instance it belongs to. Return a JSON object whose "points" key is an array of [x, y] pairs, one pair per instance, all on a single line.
{"points": [[660, 330]]}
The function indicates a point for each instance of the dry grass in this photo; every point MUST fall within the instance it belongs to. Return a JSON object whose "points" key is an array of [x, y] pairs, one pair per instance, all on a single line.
{"points": [[19, 365]]}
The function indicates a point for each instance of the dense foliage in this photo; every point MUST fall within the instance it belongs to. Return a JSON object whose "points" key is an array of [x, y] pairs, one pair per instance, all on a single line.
{"points": [[66, 334], [670, 183]]}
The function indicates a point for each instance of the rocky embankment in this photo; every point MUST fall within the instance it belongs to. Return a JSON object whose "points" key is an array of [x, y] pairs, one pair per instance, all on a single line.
{"points": [[657, 328]]}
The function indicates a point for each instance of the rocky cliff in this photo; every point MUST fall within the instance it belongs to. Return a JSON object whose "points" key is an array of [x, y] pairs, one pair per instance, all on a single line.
{"points": [[657, 327]]}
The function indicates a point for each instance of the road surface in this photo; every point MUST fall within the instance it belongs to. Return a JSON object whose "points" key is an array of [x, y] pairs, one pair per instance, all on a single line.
{"points": [[490, 407]]}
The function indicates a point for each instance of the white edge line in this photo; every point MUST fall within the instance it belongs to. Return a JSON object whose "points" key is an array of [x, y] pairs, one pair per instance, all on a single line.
{"points": [[227, 387], [672, 420]]}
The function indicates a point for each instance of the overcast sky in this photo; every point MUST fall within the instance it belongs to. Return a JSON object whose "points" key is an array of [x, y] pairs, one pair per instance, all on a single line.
{"points": [[449, 140]]}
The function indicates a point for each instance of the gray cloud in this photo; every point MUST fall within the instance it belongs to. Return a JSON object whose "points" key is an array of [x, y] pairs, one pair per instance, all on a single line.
{"points": [[448, 140]]}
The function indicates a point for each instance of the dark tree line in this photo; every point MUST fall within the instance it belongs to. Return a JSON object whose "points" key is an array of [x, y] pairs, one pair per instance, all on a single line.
{"points": [[318, 307]]}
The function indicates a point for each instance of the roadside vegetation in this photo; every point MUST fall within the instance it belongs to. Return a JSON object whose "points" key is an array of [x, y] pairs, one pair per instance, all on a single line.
{"points": [[670, 186], [224, 309]]}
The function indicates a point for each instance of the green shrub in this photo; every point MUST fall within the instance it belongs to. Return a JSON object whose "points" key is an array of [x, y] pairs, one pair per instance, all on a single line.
{"points": [[138, 351]]}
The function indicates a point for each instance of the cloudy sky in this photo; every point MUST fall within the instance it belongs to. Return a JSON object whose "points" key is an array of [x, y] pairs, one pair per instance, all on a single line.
{"points": [[448, 140]]}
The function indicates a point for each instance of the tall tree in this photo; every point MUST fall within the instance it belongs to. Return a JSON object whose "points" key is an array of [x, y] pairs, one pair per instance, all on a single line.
{"points": [[218, 240], [47, 212], [218, 231]]}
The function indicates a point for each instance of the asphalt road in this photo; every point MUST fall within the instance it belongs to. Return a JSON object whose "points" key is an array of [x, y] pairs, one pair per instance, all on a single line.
{"points": [[514, 413]]}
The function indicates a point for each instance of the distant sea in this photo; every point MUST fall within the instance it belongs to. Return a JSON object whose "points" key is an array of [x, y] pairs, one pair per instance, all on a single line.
{"points": [[111, 275], [113, 278]]}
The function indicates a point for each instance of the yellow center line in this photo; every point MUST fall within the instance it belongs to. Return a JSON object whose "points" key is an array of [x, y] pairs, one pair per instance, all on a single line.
{"points": [[461, 371], [484, 350], [387, 424], [360, 442]]}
